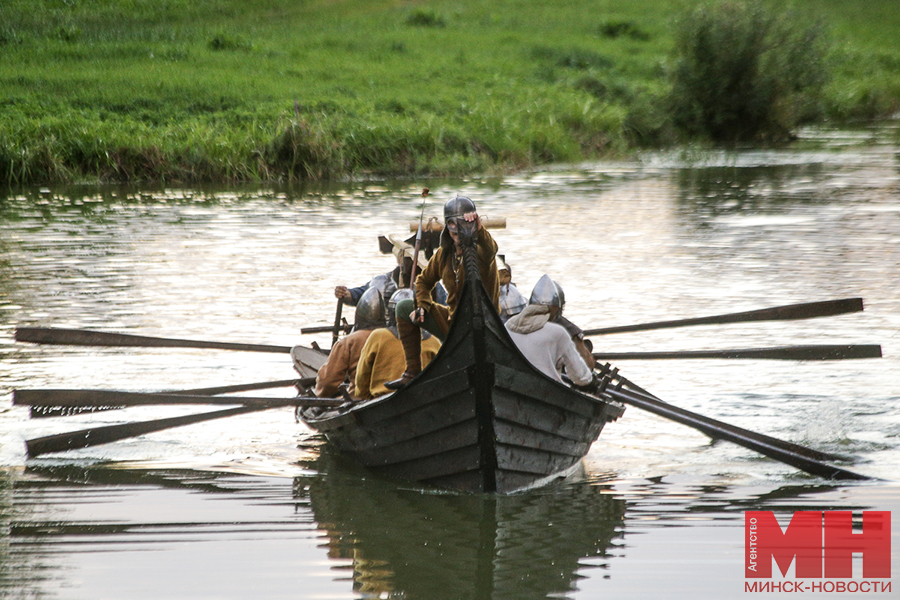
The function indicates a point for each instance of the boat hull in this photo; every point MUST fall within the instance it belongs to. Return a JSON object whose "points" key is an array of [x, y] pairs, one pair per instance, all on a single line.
{"points": [[479, 418]]}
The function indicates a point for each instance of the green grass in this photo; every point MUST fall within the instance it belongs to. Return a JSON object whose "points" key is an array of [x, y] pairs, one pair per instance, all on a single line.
{"points": [[115, 90]]}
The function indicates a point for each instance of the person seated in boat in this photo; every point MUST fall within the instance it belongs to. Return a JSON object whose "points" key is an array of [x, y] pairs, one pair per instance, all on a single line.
{"points": [[547, 345], [584, 347], [382, 357], [344, 355], [445, 266], [511, 299]]}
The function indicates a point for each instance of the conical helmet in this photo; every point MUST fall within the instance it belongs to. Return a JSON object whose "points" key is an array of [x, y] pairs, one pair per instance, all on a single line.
{"points": [[545, 292], [370, 311], [511, 301]]}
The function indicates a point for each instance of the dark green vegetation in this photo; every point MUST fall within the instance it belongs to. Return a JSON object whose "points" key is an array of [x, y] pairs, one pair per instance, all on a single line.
{"points": [[275, 89]]}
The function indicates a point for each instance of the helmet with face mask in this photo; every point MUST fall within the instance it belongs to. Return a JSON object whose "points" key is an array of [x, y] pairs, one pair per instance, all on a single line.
{"points": [[546, 293], [370, 310], [455, 209]]}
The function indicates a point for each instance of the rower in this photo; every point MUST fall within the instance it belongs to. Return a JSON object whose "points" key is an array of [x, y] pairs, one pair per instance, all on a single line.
{"points": [[445, 266], [344, 356], [547, 345], [382, 357]]}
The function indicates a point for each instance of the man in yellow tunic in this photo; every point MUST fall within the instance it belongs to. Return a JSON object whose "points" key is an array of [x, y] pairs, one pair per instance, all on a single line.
{"points": [[445, 266], [344, 356], [382, 357]]}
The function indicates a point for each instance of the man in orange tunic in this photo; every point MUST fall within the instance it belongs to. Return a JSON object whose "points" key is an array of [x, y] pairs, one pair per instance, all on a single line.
{"points": [[344, 356]]}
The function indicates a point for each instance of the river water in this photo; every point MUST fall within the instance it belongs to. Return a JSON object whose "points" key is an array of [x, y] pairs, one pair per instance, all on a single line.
{"points": [[257, 506]]}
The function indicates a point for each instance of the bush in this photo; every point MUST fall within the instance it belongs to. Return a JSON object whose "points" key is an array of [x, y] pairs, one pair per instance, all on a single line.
{"points": [[425, 18], [743, 73], [616, 29]]}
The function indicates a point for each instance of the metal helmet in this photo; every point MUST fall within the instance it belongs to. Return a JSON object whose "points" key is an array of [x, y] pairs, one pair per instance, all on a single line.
{"points": [[545, 292], [401, 294], [562, 296], [370, 310], [454, 209], [458, 207], [384, 284], [511, 302]]}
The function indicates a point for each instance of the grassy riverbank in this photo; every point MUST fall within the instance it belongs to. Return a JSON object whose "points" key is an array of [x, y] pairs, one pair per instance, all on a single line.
{"points": [[272, 89]]}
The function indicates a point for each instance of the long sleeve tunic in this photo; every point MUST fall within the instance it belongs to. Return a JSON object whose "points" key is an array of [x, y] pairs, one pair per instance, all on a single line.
{"points": [[549, 349], [453, 274], [382, 360], [341, 364]]}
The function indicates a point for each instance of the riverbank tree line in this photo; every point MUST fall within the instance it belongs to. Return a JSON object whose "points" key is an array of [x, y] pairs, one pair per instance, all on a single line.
{"points": [[229, 90]]}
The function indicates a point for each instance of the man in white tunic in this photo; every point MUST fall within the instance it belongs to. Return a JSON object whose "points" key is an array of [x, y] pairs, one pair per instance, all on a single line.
{"points": [[546, 345]]}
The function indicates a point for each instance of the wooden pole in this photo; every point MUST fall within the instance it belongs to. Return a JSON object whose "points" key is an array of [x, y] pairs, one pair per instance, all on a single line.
{"points": [[86, 337], [815, 352], [808, 310]]}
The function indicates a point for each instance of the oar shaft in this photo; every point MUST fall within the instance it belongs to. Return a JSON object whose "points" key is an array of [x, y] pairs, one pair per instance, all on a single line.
{"points": [[326, 329], [790, 312], [50, 408], [56, 397], [813, 352], [111, 433], [85, 337]]}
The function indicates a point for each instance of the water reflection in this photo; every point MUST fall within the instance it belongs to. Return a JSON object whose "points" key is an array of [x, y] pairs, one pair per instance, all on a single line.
{"points": [[430, 546]]}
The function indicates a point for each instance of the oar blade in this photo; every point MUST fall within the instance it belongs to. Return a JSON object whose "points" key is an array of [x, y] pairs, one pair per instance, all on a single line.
{"points": [[790, 312]]}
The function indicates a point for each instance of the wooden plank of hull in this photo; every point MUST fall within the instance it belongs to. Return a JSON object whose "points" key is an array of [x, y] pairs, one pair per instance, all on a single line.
{"points": [[436, 465], [428, 419], [512, 434], [541, 416], [527, 384], [538, 463], [448, 439], [391, 410]]}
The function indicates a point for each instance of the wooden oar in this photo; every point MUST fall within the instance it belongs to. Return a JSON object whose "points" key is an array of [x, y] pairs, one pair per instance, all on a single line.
{"points": [[59, 397], [85, 337], [336, 328], [56, 410], [345, 327], [814, 352], [801, 457], [111, 433], [613, 375], [790, 312]]}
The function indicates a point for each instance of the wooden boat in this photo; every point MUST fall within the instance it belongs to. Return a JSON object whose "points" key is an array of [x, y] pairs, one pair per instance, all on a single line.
{"points": [[479, 418]]}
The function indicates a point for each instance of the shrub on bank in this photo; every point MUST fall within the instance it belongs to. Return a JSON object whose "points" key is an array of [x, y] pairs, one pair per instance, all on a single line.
{"points": [[745, 73]]}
